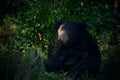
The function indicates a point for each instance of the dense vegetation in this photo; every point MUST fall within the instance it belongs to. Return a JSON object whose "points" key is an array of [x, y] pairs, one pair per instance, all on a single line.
{"points": [[27, 35]]}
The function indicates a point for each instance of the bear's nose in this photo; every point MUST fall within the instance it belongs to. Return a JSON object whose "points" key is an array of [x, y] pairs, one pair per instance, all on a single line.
{"points": [[60, 42]]}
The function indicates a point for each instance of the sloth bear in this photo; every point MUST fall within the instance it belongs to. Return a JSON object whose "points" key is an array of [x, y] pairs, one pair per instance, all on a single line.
{"points": [[78, 53]]}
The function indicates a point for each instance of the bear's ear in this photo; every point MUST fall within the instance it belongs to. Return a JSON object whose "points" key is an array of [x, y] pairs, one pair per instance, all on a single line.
{"points": [[82, 25], [58, 24]]}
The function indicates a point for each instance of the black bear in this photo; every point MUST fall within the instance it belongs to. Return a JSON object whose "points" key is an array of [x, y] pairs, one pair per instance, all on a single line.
{"points": [[78, 52]]}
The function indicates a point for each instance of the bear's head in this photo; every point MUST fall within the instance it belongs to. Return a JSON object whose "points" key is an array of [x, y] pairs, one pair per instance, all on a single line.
{"points": [[68, 33]]}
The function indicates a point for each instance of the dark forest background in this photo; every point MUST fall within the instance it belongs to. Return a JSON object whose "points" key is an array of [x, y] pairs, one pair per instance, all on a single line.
{"points": [[27, 35]]}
